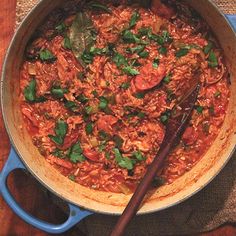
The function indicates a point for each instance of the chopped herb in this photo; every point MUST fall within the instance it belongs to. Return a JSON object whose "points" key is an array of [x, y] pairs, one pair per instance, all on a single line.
{"points": [[164, 119], [199, 109], [208, 48], [98, 51], [134, 62], [166, 80], [134, 18], [212, 60], [120, 60], [137, 49], [143, 54], [102, 146], [60, 131], [118, 141], [71, 105], [156, 62], [145, 31], [217, 94], [88, 110], [129, 70], [212, 110], [103, 135], [140, 95], [81, 76], [76, 153], [182, 52], [89, 128], [163, 50], [47, 56], [71, 177], [66, 43], [107, 155], [125, 85], [141, 115], [99, 6], [61, 28], [139, 156], [129, 37], [123, 162], [30, 91], [81, 98], [87, 57], [103, 103], [166, 37], [58, 153], [58, 92], [95, 93]]}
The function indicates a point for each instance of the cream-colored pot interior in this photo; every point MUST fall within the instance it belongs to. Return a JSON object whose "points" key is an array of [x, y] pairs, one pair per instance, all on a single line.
{"points": [[106, 202]]}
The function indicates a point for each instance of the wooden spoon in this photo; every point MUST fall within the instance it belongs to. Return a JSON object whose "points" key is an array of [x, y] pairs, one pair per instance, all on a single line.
{"points": [[178, 121]]}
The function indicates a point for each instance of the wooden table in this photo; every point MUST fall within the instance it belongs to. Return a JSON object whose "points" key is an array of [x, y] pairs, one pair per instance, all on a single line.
{"points": [[26, 190]]}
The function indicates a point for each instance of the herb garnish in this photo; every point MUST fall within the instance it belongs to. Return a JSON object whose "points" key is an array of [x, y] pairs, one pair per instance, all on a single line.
{"points": [[47, 56], [60, 131], [76, 153], [134, 18], [212, 60], [182, 52]]}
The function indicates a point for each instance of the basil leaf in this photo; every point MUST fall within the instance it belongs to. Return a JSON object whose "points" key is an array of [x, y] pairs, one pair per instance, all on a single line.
{"points": [[30, 91], [71, 177], [134, 18], [46, 55], [141, 115], [76, 153], [182, 52], [81, 35], [99, 6], [166, 37], [217, 94], [212, 60], [130, 71]]}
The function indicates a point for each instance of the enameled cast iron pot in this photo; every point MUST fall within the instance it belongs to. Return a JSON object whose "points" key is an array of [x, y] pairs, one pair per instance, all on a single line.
{"points": [[24, 154]]}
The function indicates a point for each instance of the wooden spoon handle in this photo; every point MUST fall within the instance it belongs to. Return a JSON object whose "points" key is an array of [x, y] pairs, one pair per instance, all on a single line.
{"points": [[140, 192]]}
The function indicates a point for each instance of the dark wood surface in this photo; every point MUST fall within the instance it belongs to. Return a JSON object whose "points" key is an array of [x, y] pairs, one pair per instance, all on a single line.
{"points": [[25, 189]]}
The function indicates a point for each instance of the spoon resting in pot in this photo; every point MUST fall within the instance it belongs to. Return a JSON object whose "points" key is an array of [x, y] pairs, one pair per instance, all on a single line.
{"points": [[178, 121]]}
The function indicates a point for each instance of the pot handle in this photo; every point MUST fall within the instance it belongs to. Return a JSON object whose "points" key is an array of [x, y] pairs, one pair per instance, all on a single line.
{"points": [[76, 214], [232, 20]]}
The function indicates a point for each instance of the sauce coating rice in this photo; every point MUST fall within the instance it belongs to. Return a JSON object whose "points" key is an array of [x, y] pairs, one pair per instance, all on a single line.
{"points": [[99, 81]]}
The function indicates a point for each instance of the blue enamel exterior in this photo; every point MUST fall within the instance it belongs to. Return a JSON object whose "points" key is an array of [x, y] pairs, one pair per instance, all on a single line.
{"points": [[232, 21], [76, 214]]}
